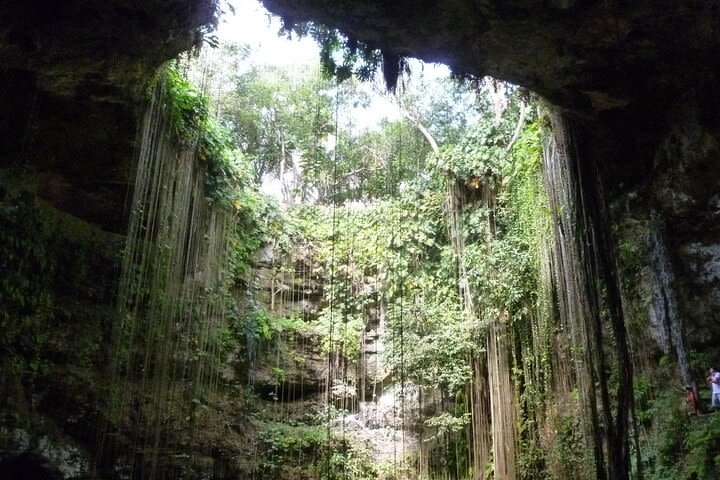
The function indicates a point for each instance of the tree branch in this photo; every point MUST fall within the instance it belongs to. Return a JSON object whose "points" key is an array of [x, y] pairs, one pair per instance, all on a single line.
{"points": [[394, 100], [417, 124], [518, 128]]}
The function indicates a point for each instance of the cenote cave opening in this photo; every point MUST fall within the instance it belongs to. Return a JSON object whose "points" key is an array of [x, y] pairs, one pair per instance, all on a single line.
{"points": [[230, 253]]}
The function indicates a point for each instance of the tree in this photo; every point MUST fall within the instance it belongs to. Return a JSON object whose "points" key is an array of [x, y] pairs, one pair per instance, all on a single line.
{"points": [[281, 120]]}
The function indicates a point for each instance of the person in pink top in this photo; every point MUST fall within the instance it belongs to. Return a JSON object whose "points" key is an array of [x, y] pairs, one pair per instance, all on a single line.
{"points": [[691, 400]]}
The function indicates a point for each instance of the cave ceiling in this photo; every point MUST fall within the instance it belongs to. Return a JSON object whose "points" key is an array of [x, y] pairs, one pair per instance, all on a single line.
{"points": [[586, 56]]}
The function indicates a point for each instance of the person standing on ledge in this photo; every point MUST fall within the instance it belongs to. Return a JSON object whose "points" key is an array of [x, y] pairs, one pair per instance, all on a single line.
{"points": [[691, 400], [714, 381]]}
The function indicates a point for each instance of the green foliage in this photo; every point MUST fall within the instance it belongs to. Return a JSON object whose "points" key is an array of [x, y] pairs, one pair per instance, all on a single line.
{"points": [[392, 253], [290, 438], [345, 461], [310, 450], [186, 107], [382, 248], [374, 164], [339, 332], [445, 423], [365, 260], [532, 461], [193, 127], [481, 154], [341, 57], [571, 450], [283, 121], [441, 342], [23, 260], [268, 327], [672, 426], [643, 390], [679, 446], [448, 108], [505, 218], [703, 449], [274, 114], [252, 212]]}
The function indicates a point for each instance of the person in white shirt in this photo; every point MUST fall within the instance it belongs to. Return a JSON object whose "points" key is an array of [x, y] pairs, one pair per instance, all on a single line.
{"points": [[714, 381]]}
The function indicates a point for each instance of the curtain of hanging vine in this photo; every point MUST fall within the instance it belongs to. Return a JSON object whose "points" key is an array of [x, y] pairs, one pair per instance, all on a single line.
{"points": [[170, 306]]}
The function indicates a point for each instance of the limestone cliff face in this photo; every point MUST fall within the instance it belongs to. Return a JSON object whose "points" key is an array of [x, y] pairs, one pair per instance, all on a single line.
{"points": [[72, 82], [58, 280], [676, 206], [292, 365]]}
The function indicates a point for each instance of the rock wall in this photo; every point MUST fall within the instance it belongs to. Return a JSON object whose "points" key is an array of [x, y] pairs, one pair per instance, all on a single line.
{"points": [[72, 84], [290, 372], [676, 204], [72, 80], [59, 278], [293, 361], [585, 56]]}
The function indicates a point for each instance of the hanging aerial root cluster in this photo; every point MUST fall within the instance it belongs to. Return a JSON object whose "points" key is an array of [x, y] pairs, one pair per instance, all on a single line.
{"points": [[170, 306], [540, 385], [589, 303]]}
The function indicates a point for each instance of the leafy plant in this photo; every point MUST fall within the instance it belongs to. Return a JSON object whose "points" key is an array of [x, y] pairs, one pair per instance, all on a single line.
{"points": [[194, 128]]}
